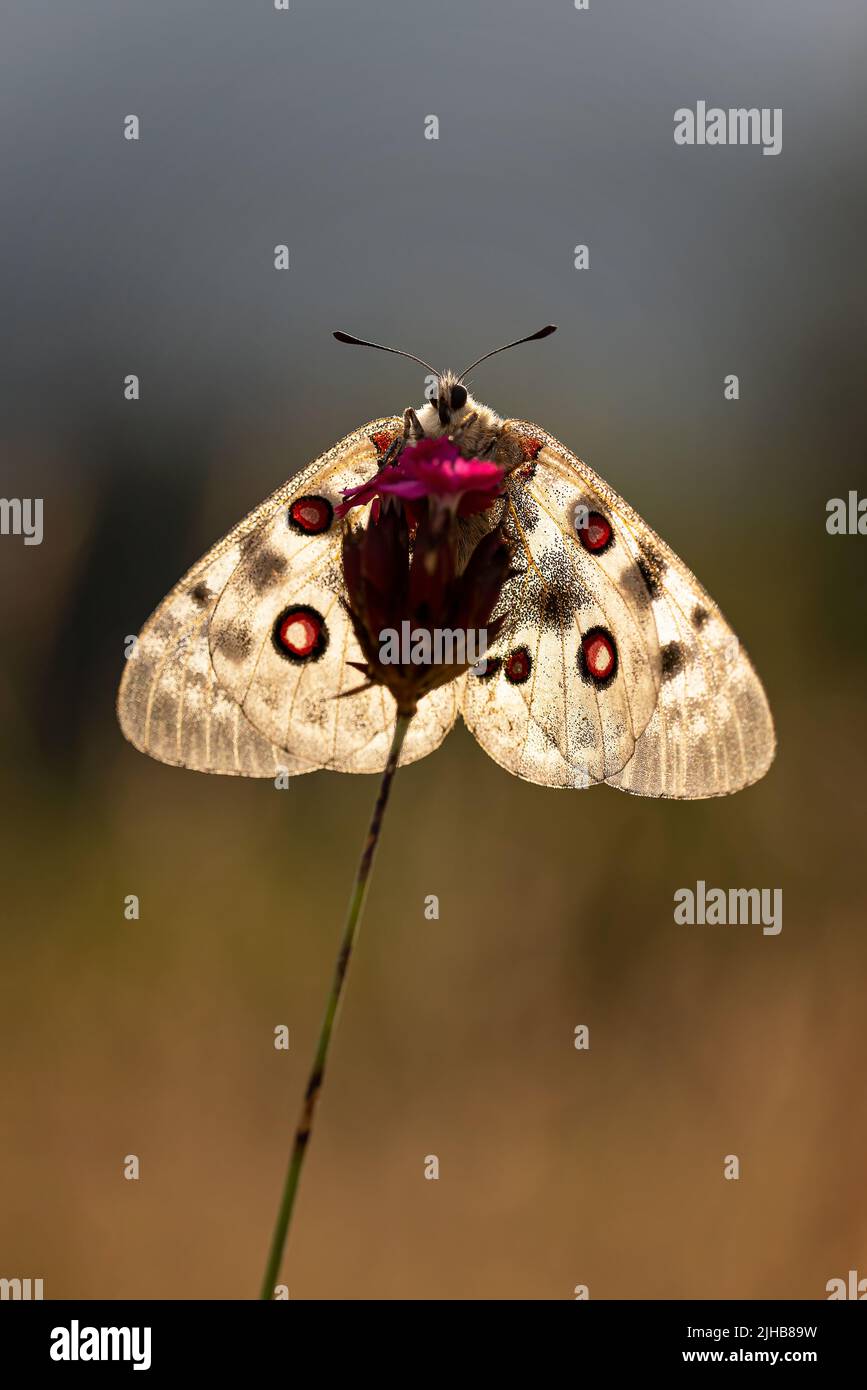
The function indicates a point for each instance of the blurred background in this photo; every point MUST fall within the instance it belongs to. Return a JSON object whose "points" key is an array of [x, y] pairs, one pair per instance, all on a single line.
{"points": [[155, 1037]]}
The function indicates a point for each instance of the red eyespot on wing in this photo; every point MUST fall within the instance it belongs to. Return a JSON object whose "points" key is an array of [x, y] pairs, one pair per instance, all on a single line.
{"points": [[487, 668], [598, 656], [300, 634], [311, 515], [382, 441], [595, 534], [530, 446], [517, 666]]}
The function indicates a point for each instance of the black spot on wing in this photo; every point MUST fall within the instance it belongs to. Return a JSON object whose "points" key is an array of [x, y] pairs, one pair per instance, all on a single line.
{"points": [[699, 617], [265, 568], [236, 641], [651, 567], [559, 573], [671, 657], [332, 576], [201, 595], [526, 509], [552, 594], [557, 608]]}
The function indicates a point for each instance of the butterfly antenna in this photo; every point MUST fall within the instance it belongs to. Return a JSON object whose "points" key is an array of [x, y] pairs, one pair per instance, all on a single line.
{"points": [[542, 333], [362, 342]]}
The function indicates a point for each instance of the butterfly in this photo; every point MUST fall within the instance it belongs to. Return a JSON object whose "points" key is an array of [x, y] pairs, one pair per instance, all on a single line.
{"points": [[612, 664]]}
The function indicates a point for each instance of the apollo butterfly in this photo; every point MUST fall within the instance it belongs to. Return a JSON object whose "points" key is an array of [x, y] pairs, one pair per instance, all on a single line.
{"points": [[612, 665]]}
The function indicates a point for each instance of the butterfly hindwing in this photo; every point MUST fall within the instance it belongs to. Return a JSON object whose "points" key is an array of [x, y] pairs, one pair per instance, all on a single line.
{"points": [[639, 681]]}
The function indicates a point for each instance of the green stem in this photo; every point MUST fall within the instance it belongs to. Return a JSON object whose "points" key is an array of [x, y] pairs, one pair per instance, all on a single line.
{"points": [[317, 1072]]}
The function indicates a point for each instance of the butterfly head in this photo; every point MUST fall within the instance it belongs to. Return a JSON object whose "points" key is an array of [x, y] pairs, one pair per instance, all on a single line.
{"points": [[452, 413], [448, 408]]}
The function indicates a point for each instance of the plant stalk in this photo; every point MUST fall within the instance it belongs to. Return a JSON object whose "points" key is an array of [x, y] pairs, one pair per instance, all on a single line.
{"points": [[317, 1072]]}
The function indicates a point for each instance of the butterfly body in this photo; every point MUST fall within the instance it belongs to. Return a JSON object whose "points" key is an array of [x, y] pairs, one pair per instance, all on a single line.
{"points": [[612, 663], [476, 429]]}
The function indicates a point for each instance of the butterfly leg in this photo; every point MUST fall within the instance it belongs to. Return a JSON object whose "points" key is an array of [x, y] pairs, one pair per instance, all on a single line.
{"points": [[412, 431], [392, 454]]}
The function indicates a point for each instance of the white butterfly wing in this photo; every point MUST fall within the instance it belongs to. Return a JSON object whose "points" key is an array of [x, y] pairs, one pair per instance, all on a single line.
{"points": [[170, 704], [635, 677], [210, 688], [535, 708]]}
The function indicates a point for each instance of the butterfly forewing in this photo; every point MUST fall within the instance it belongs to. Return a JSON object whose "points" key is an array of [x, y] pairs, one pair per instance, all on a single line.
{"points": [[711, 732], [283, 647], [170, 704], [577, 675], [209, 685]]}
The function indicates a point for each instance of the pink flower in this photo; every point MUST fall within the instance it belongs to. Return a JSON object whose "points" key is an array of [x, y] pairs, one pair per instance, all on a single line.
{"points": [[434, 470], [395, 580]]}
